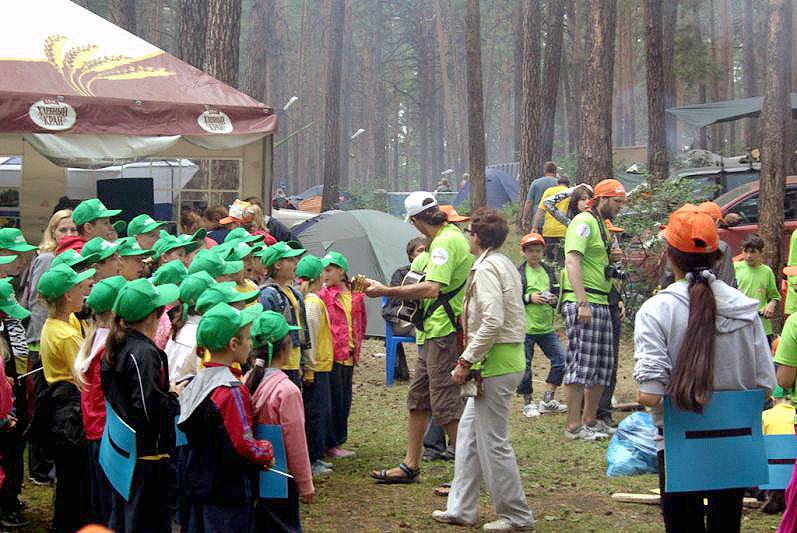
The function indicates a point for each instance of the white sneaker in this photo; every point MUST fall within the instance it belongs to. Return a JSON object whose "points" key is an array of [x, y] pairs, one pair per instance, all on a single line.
{"points": [[552, 407], [530, 411], [445, 518], [502, 524], [585, 433], [602, 427]]}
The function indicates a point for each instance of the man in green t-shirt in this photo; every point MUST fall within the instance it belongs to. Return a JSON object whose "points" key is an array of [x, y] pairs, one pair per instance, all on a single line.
{"points": [[585, 291], [786, 357], [791, 293], [432, 390], [757, 281]]}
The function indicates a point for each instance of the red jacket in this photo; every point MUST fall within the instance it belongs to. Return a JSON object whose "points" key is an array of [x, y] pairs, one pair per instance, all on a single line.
{"points": [[75, 242], [339, 325], [92, 399]]}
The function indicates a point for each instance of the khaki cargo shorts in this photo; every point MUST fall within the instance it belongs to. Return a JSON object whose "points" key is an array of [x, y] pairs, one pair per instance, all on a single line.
{"points": [[432, 389]]}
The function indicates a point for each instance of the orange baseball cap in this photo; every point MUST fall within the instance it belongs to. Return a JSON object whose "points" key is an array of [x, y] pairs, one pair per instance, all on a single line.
{"points": [[452, 214], [609, 188], [531, 238], [790, 271], [237, 213], [691, 231], [612, 227], [713, 210]]}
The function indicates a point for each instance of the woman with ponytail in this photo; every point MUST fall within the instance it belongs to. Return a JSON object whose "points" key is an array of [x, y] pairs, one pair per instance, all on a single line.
{"points": [[277, 400], [92, 400], [695, 337], [135, 380]]}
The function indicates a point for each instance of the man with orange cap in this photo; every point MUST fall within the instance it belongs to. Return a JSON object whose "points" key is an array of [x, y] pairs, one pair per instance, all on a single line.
{"points": [[585, 291]]}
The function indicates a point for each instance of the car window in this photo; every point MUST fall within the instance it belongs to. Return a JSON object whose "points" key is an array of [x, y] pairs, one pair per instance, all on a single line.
{"points": [[748, 208], [736, 179], [790, 204]]}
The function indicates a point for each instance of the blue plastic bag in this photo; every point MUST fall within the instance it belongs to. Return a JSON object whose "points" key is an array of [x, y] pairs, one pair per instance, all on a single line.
{"points": [[632, 450]]}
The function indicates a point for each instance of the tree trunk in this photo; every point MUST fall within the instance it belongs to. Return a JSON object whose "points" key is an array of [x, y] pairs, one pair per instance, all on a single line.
{"points": [[347, 128], [476, 149], [123, 14], [727, 70], [749, 70], [517, 79], [717, 137], [193, 28], [776, 133], [550, 77], [530, 152], [452, 147], [334, 70], [669, 20], [221, 40], [658, 160], [702, 139], [379, 138], [630, 69], [151, 29], [574, 10], [595, 131]]}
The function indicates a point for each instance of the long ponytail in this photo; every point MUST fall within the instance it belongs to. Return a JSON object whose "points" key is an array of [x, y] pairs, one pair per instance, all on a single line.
{"points": [[693, 375], [117, 338]]}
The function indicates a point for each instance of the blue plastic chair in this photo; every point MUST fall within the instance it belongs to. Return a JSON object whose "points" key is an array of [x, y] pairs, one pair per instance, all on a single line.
{"points": [[391, 345]]}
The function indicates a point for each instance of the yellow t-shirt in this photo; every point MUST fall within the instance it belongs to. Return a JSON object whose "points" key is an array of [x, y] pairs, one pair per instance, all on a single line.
{"points": [[779, 420], [59, 346], [552, 227], [345, 301], [294, 362]]}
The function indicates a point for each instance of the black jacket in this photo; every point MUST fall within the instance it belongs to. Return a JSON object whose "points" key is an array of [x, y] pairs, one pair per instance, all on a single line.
{"points": [[137, 387]]}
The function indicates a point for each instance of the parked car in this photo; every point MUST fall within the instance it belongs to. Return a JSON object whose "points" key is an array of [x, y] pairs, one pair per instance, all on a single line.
{"points": [[743, 201], [712, 182]]}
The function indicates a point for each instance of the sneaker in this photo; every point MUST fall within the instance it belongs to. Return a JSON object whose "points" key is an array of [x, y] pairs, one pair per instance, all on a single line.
{"points": [[318, 469], [502, 524], [602, 427], [445, 518], [12, 519], [41, 482], [339, 453], [323, 463], [552, 407], [530, 411], [585, 433]]}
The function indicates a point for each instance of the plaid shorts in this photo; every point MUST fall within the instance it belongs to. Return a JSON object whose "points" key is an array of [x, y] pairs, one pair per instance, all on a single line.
{"points": [[590, 347]]}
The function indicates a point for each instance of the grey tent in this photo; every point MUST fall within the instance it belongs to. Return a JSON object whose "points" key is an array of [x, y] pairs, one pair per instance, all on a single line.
{"points": [[373, 242], [501, 189], [700, 115]]}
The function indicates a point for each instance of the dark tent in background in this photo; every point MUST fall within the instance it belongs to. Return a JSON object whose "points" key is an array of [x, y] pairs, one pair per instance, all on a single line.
{"points": [[502, 189], [374, 243]]}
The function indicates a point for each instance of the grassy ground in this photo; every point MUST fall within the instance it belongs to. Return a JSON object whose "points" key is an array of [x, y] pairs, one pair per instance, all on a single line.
{"points": [[565, 481]]}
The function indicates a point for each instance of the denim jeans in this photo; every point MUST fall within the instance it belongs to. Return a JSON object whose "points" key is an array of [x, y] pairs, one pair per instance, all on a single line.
{"points": [[552, 348]]}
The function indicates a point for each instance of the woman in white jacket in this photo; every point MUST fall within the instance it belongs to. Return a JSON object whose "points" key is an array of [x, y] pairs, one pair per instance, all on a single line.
{"points": [[495, 326], [694, 337]]}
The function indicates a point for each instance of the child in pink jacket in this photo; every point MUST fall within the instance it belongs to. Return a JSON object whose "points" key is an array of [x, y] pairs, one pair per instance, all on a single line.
{"points": [[277, 400]]}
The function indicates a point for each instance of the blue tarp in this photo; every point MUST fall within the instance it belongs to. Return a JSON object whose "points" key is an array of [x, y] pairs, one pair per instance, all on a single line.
{"points": [[502, 189]]}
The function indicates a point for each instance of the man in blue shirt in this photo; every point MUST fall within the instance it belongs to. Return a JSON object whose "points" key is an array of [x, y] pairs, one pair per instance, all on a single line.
{"points": [[538, 187]]}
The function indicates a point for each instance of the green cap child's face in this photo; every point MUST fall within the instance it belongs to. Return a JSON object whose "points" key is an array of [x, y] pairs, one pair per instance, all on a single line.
{"points": [[241, 344]]}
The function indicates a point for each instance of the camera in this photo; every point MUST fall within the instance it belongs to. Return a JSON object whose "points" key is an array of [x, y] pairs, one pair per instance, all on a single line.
{"points": [[613, 272]]}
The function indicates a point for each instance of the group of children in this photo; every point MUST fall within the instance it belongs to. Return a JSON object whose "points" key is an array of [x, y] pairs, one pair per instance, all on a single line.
{"points": [[179, 334]]}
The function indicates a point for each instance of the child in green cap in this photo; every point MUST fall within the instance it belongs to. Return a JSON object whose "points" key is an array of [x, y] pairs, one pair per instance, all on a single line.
{"points": [[216, 416], [279, 294], [64, 290], [347, 321], [181, 345], [136, 382], [277, 400], [133, 260], [92, 400]]}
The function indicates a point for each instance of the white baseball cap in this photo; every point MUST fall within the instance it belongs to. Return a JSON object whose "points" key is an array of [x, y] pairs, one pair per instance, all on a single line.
{"points": [[418, 202]]}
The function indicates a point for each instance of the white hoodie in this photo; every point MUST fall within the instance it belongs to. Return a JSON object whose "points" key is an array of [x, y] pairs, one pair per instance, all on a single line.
{"points": [[742, 358]]}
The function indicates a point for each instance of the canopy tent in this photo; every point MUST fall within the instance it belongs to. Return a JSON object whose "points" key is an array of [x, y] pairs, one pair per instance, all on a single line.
{"points": [[502, 189], [373, 242], [700, 115], [85, 93]]}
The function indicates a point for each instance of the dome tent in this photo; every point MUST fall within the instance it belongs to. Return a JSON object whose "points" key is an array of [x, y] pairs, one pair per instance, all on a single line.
{"points": [[373, 242], [501, 188]]}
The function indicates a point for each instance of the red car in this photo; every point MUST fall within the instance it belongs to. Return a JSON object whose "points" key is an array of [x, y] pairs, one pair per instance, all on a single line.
{"points": [[743, 201]]}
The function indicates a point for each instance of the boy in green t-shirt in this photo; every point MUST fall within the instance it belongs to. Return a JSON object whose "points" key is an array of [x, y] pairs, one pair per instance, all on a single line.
{"points": [[540, 293], [757, 280]]}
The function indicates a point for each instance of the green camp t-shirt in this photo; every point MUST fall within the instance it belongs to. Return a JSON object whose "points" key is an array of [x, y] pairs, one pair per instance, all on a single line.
{"points": [[504, 358], [791, 294], [786, 353], [583, 236], [539, 317], [449, 264], [757, 283], [419, 265]]}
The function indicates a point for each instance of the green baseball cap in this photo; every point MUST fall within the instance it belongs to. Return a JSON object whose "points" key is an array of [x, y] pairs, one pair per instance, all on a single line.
{"points": [[73, 259], [6, 259], [234, 250], [104, 293], [270, 328], [224, 292], [89, 210], [192, 242], [277, 251], [120, 227], [310, 267], [240, 234], [100, 247], [173, 272], [143, 224], [214, 264], [194, 285], [337, 259], [222, 322], [59, 280], [128, 246], [168, 242], [140, 297], [12, 239], [778, 392], [8, 301]]}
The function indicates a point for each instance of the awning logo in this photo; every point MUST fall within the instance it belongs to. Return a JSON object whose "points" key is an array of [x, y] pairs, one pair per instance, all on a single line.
{"points": [[53, 115], [214, 121]]}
